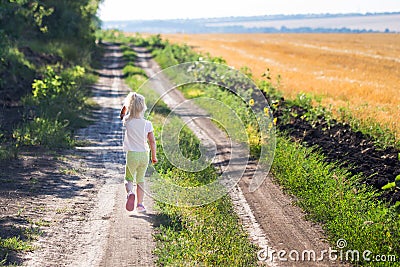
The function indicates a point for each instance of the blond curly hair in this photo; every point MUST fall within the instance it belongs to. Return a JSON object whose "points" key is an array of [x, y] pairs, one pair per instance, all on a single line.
{"points": [[135, 105]]}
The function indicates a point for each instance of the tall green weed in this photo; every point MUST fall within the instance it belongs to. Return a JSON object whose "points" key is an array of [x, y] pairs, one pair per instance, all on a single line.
{"points": [[57, 104], [50, 133]]}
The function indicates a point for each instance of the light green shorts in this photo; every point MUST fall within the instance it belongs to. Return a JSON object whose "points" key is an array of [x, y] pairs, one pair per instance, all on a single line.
{"points": [[136, 165]]}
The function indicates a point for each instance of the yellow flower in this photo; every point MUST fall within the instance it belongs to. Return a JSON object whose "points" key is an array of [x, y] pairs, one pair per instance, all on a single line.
{"points": [[251, 102], [275, 120], [266, 111]]}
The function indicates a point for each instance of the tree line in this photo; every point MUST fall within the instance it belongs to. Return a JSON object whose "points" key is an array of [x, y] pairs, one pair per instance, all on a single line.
{"points": [[34, 33]]}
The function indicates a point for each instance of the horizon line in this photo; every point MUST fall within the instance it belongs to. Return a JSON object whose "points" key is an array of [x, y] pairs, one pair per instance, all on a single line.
{"points": [[260, 16]]}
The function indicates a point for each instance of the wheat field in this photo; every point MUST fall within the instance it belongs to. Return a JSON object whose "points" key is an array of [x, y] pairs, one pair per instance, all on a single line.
{"points": [[360, 72]]}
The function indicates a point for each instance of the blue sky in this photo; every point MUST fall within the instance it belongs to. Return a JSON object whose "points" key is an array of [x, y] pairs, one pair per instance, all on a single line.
{"points": [[172, 9]]}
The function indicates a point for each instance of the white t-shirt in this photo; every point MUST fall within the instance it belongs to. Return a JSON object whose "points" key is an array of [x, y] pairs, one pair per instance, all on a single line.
{"points": [[135, 138]]}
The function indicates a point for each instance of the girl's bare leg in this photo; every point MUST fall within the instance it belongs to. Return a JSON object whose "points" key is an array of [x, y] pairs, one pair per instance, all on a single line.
{"points": [[140, 193]]}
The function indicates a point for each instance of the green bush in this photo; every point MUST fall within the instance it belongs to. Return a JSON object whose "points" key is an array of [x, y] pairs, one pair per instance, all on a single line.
{"points": [[4, 44], [7, 151], [129, 55], [18, 68], [165, 58], [130, 69], [63, 95], [49, 133], [111, 35], [57, 103]]}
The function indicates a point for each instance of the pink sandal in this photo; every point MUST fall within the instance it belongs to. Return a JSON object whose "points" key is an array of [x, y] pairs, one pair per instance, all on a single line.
{"points": [[130, 202]]}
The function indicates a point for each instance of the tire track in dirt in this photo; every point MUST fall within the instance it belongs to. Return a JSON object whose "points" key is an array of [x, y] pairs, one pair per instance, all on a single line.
{"points": [[129, 240], [267, 214]]}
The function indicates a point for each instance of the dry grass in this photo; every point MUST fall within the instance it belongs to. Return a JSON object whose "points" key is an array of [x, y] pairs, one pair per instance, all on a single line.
{"points": [[358, 71]]}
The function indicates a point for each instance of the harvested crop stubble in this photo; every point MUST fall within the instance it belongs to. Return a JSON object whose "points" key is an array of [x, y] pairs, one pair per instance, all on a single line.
{"points": [[358, 71]]}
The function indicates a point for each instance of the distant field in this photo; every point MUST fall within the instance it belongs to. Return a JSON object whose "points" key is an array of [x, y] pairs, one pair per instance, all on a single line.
{"points": [[356, 22], [358, 71], [311, 23]]}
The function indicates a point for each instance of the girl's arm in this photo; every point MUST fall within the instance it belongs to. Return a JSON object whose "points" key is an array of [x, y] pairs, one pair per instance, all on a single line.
{"points": [[152, 142], [122, 113]]}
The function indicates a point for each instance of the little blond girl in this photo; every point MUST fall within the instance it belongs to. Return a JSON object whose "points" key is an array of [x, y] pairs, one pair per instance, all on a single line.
{"points": [[138, 132]]}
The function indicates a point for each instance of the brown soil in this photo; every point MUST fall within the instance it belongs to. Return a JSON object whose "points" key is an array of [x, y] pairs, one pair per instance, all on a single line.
{"points": [[354, 151]]}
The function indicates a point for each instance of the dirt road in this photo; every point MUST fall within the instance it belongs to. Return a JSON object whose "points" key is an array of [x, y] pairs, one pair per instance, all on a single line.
{"points": [[104, 234]]}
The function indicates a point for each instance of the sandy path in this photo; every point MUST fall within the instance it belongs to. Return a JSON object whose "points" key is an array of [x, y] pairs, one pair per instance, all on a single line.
{"points": [[129, 240], [267, 213], [105, 234]]}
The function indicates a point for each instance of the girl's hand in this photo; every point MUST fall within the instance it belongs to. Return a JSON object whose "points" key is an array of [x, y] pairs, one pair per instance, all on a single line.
{"points": [[122, 113], [154, 160]]}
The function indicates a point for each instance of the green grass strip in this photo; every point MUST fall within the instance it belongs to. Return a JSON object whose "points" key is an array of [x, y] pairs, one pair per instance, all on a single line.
{"points": [[331, 196], [209, 235]]}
